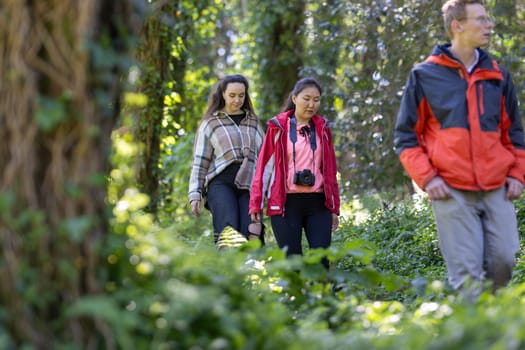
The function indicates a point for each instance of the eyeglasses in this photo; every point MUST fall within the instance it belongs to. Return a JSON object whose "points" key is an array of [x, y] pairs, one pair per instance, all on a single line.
{"points": [[481, 19]]}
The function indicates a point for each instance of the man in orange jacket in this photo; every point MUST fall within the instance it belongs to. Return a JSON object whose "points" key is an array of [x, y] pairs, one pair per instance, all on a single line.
{"points": [[459, 136]]}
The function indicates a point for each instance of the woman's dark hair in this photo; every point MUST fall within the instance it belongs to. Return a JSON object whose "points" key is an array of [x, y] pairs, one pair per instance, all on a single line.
{"points": [[216, 100], [300, 86]]}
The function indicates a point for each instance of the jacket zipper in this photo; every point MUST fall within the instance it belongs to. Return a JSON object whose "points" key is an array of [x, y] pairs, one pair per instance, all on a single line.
{"points": [[285, 170], [332, 199], [285, 173], [481, 104]]}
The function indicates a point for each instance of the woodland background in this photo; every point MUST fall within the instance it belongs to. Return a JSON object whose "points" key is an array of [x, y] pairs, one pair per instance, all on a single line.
{"points": [[99, 102]]}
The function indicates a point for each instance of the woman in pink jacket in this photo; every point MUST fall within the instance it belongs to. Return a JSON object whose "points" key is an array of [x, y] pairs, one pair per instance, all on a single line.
{"points": [[296, 173]]}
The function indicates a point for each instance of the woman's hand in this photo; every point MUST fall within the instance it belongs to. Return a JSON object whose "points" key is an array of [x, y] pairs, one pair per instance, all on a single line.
{"points": [[196, 207], [335, 222], [256, 217]]}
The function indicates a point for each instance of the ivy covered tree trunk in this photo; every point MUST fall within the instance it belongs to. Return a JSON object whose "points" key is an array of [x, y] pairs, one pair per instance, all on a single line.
{"points": [[163, 53], [280, 48], [60, 83], [322, 56], [154, 54]]}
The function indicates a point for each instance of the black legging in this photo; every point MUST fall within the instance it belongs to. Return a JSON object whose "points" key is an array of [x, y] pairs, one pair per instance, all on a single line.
{"points": [[227, 203], [303, 210]]}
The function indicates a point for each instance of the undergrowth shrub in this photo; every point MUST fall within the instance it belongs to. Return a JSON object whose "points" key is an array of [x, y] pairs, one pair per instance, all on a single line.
{"points": [[519, 270], [404, 240], [241, 298], [169, 288], [176, 295]]}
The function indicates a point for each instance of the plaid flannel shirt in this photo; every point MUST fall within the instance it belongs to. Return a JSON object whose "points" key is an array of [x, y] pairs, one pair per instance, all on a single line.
{"points": [[220, 142]]}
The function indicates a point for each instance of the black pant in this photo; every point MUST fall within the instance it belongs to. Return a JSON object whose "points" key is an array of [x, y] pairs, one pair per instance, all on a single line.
{"points": [[227, 203], [303, 210]]}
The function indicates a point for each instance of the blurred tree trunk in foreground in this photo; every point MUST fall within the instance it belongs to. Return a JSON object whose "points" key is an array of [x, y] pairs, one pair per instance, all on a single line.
{"points": [[60, 86]]}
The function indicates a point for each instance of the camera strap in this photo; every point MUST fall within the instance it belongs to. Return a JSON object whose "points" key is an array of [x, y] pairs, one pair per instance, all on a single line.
{"points": [[293, 138]]}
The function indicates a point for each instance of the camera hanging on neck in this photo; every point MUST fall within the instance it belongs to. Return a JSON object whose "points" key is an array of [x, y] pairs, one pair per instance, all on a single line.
{"points": [[304, 177]]}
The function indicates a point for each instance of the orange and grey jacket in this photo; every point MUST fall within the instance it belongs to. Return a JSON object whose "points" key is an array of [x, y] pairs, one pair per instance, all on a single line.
{"points": [[465, 128]]}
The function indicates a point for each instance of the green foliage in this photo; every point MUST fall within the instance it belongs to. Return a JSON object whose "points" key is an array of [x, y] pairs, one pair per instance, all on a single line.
{"points": [[371, 71], [386, 290], [360, 51], [172, 292], [519, 271], [50, 113], [105, 308], [197, 33], [404, 239], [176, 211], [232, 299], [278, 52], [208, 307], [258, 299]]}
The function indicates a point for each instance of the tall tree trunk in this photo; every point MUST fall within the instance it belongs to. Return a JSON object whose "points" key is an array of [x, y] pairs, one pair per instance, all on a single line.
{"points": [[154, 54], [59, 101], [163, 56], [281, 52]]}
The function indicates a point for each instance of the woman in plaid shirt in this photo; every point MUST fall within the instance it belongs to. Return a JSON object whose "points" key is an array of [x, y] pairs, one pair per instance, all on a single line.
{"points": [[225, 152]]}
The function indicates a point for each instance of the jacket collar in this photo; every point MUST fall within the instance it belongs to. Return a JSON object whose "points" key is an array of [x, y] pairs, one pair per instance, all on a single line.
{"points": [[283, 117], [441, 55], [222, 114]]}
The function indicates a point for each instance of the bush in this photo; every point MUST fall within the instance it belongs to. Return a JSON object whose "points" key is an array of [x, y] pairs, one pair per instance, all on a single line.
{"points": [[170, 288], [404, 240], [380, 293]]}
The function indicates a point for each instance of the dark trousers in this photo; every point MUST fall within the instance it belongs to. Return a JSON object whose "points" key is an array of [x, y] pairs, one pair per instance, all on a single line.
{"points": [[227, 203], [303, 210]]}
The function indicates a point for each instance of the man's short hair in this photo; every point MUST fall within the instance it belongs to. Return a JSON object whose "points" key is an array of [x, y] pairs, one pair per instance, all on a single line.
{"points": [[455, 10]]}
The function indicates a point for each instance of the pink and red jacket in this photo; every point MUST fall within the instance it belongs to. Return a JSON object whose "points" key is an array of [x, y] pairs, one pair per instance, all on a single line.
{"points": [[269, 181]]}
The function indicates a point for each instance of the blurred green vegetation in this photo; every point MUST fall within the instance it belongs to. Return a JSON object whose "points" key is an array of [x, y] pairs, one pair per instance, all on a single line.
{"points": [[165, 285], [387, 286]]}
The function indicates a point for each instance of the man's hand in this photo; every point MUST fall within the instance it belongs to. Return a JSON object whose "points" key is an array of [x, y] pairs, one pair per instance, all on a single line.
{"points": [[196, 207], [514, 188], [437, 189]]}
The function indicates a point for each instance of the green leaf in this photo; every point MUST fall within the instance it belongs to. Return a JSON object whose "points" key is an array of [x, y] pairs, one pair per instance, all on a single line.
{"points": [[7, 201], [106, 309], [50, 113], [76, 228]]}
